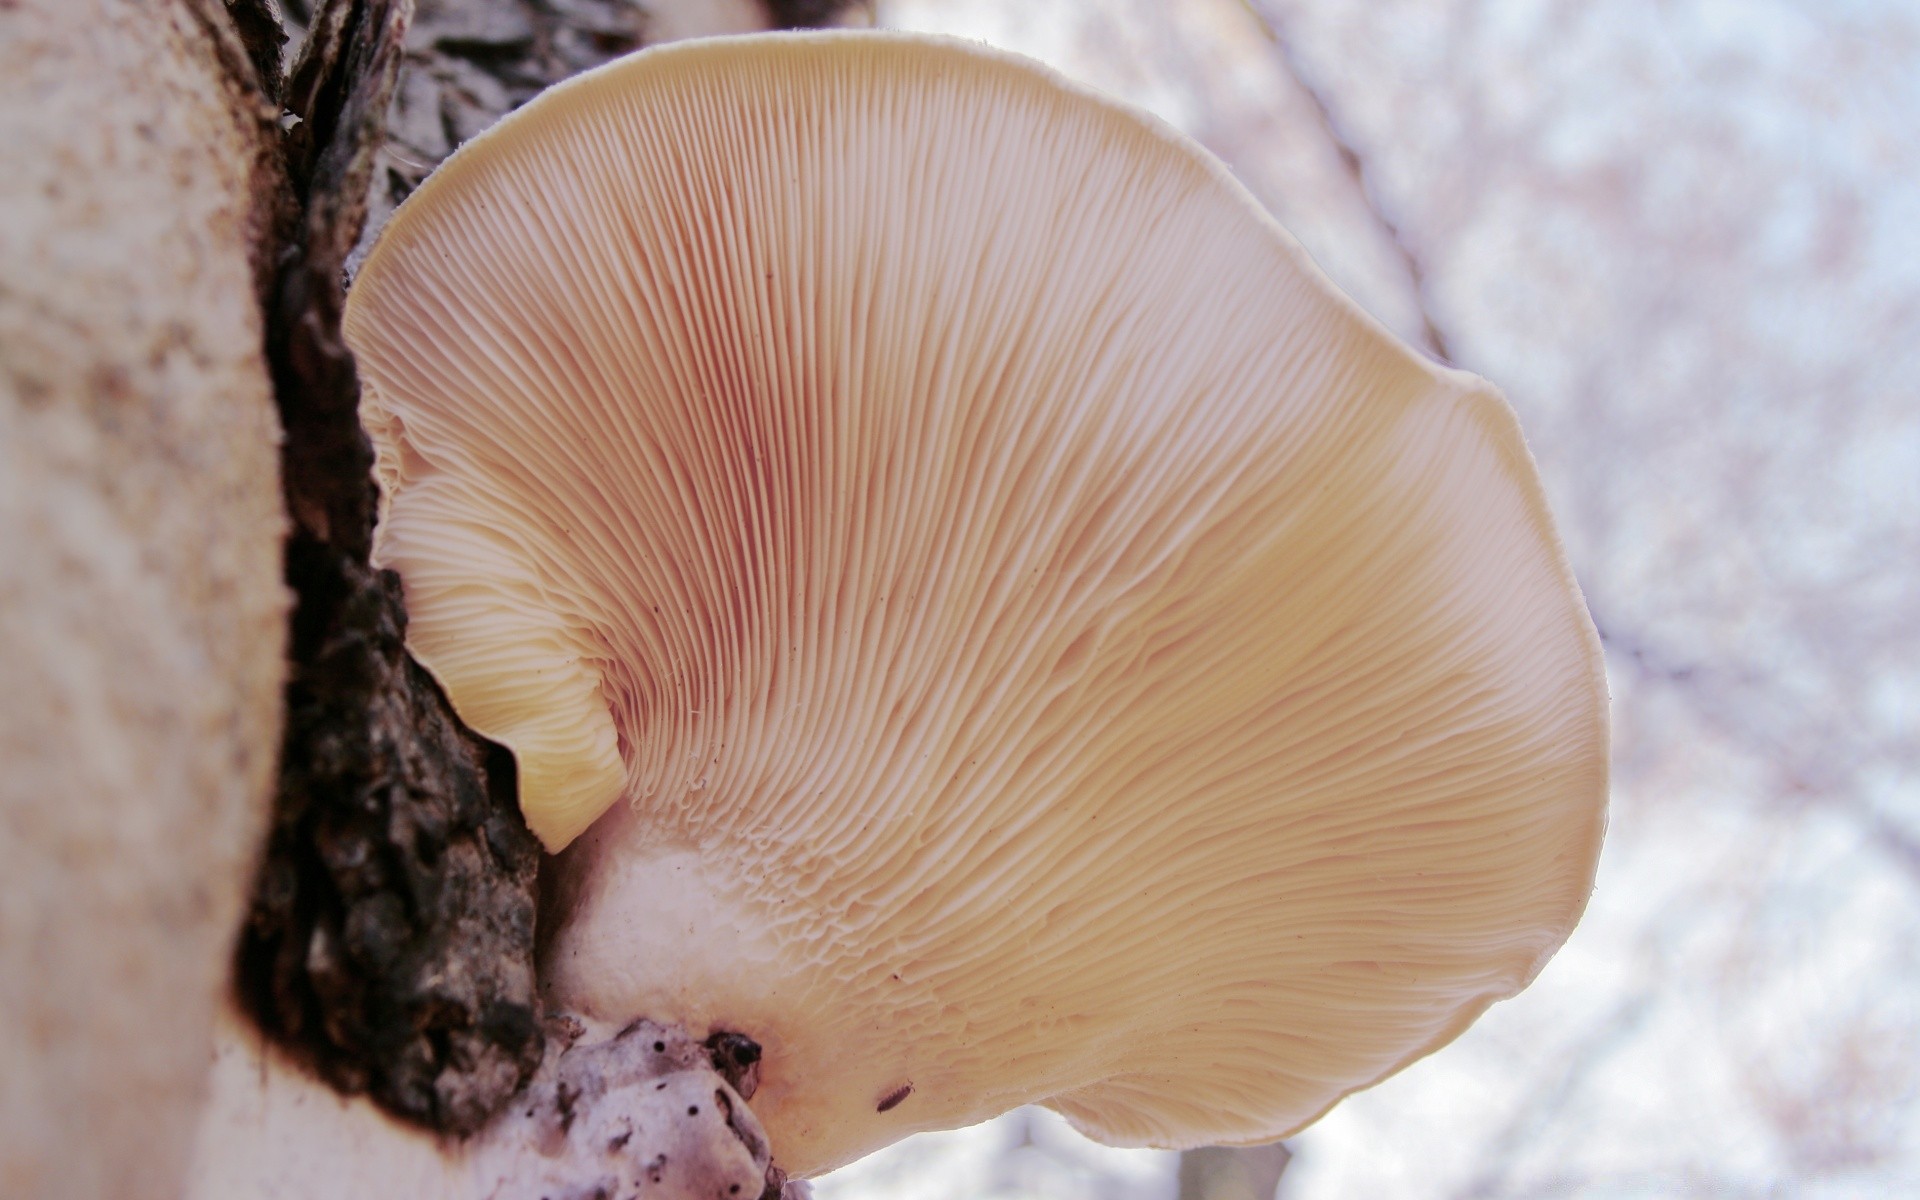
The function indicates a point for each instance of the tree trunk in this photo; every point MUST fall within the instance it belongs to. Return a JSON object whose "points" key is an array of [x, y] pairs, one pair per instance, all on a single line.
{"points": [[142, 615]]}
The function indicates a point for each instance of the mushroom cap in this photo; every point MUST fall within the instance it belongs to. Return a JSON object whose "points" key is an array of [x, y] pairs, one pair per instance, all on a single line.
{"points": [[1031, 638]]}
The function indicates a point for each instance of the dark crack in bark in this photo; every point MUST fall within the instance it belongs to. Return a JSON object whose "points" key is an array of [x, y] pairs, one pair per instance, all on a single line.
{"points": [[390, 939], [260, 31]]}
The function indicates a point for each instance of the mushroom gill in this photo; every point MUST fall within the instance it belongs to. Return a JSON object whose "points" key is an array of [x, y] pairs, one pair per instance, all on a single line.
{"points": [[1000, 625]]}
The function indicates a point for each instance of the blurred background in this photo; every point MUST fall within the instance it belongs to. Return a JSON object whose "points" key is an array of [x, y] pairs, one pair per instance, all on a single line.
{"points": [[1684, 236]]}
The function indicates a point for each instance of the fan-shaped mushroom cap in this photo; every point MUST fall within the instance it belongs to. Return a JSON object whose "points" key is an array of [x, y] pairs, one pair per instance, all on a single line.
{"points": [[1048, 643]]}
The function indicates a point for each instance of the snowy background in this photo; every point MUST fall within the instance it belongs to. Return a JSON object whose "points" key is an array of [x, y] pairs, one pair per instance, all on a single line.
{"points": [[1684, 236]]}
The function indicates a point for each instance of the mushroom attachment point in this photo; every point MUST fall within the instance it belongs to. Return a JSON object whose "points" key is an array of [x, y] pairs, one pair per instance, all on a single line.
{"points": [[975, 604]]}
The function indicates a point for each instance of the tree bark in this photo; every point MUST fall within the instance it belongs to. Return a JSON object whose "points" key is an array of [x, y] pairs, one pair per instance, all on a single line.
{"points": [[142, 614], [390, 941]]}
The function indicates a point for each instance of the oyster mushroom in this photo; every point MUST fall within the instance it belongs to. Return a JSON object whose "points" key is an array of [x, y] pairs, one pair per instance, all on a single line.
{"points": [[983, 616]]}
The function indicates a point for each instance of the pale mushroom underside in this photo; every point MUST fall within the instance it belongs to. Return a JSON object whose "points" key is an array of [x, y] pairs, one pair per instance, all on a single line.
{"points": [[1051, 645]]}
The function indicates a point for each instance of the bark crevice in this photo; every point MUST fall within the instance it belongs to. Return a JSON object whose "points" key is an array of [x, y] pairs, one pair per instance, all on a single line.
{"points": [[390, 939]]}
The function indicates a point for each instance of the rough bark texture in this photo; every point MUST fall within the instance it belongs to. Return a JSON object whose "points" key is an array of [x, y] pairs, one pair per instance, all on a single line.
{"points": [[390, 942], [142, 614]]}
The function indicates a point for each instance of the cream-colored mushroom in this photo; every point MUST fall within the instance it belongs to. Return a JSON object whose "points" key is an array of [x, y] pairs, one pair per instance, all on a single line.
{"points": [[1000, 625]]}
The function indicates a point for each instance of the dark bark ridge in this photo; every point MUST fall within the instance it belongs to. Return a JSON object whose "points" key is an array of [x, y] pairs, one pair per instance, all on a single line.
{"points": [[390, 939]]}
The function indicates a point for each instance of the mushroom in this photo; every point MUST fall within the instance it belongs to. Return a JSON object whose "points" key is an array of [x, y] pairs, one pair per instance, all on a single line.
{"points": [[984, 616]]}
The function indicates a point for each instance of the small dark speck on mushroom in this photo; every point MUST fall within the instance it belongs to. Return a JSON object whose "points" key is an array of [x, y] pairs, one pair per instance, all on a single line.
{"points": [[693, 1110], [893, 1098]]}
